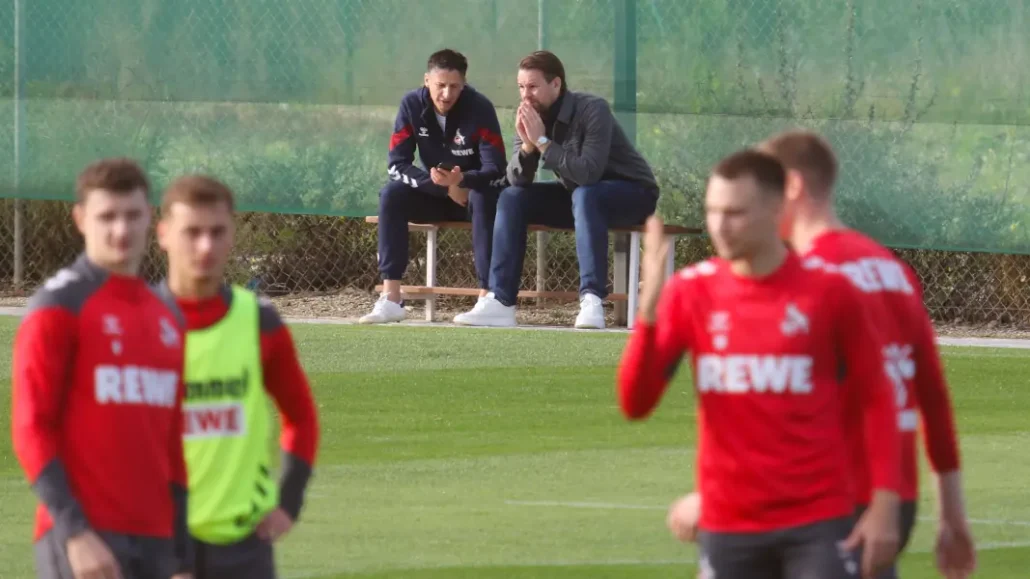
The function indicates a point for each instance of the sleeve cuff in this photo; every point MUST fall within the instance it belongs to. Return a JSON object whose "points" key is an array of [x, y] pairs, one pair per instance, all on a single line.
{"points": [[294, 482], [524, 156], [552, 156], [52, 488]]}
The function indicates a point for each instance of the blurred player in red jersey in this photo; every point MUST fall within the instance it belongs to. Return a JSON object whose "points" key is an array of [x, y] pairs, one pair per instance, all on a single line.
{"points": [[767, 338], [893, 291], [894, 295], [240, 360], [97, 402]]}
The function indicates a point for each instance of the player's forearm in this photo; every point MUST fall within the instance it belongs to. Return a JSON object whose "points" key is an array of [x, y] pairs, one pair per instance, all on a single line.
{"points": [[880, 424], [941, 441], [490, 175], [287, 384], [299, 445], [938, 425], [43, 356], [423, 181], [523, 165], [43, 359], [643, 373], [53, 490], [951, 502], [298, 422], [934, 400], [293, 484]]}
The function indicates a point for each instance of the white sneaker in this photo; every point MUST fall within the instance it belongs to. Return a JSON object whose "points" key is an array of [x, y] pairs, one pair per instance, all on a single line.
{"points": [[488, 312], [384, 312], [591, 313]]}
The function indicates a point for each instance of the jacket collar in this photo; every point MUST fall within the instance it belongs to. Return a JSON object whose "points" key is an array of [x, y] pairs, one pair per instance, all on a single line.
{"points": [[428, 112], [566, 106]]}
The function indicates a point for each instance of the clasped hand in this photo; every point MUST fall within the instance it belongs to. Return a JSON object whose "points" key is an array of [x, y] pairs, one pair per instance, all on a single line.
{"points": [[529, 125]]}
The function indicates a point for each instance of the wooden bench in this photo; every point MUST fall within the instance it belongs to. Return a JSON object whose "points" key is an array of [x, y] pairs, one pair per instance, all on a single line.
{"points": [[626, 290]]}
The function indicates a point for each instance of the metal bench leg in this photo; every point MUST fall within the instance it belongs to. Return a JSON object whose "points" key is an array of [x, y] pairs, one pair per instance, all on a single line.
{"points": [[541, 264], [634, 278], [670, 266], [431, 271]]}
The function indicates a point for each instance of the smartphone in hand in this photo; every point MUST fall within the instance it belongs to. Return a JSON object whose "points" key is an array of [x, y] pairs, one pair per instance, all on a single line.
{"points": [[445, 166]]}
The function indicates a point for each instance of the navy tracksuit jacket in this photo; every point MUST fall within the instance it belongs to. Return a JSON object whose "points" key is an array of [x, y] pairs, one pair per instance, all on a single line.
{"points": [[472, 142]]}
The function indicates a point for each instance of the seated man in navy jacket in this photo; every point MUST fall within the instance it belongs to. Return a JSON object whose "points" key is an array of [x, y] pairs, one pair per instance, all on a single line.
{"points": [[458, 138]]}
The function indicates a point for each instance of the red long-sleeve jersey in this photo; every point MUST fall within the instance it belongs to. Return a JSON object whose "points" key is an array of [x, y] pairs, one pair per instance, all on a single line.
{"points": [[767, 354], [285, 382], [97, 405], [891, 290]]}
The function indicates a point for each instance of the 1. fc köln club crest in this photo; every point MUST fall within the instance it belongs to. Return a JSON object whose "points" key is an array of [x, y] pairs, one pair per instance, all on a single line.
{"points": [[459, 139]]}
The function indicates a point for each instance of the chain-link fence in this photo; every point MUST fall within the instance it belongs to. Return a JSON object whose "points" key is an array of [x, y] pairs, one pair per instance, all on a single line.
{"points": [[292, 103], [305, 255]]}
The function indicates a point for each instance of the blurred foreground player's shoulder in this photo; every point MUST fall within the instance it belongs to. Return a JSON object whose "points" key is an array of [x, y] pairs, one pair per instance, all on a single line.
{"points": [[270, 320], [68, 289], [701, 269], [164, 296], [870, 266]]}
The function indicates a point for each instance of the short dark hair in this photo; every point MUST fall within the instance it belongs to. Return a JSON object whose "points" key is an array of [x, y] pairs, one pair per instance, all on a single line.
{"points": [[809, 153], [448, 59], [548, 64], [197, 190], [765, 169], [119, 175]]}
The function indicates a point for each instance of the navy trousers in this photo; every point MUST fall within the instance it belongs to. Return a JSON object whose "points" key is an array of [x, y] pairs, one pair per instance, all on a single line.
{"points": [[400, 203], [590, 209]]}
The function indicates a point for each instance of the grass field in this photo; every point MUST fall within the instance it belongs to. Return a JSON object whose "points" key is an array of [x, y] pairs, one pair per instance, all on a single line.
{"points": [[489, 454]]}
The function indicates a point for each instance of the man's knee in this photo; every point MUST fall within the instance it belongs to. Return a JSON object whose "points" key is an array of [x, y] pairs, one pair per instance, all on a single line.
{"points": [[514, 197], [587, 200], [586, 193], [393, 196], [483, 200]]}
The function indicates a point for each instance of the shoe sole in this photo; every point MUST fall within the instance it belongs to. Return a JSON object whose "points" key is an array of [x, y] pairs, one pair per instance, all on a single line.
{"points": [[484, 325], [589, 326]]}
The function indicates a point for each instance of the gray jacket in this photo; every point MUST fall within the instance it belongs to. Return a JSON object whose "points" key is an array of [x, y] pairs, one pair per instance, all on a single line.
{"points": [[588, 146]]}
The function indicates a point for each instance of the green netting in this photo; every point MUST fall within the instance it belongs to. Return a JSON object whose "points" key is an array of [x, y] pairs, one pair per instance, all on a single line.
{"points": [[292, 102]]}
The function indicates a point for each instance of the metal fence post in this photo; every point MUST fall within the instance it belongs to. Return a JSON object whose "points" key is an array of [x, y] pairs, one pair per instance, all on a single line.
{"points": [[541, 236], [350, 46], [19, 141], [625, 89], [625, 106]]}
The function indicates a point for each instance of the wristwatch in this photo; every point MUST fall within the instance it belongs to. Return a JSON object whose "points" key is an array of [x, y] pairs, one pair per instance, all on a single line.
{"points": [[543, 140]]}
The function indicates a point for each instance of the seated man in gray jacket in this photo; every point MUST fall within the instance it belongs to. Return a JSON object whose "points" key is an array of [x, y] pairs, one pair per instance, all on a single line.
{"points": [[603, 183]]}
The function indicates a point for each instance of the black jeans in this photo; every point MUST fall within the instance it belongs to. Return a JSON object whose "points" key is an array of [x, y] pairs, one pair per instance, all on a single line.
{"points": [[400, 203]]}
